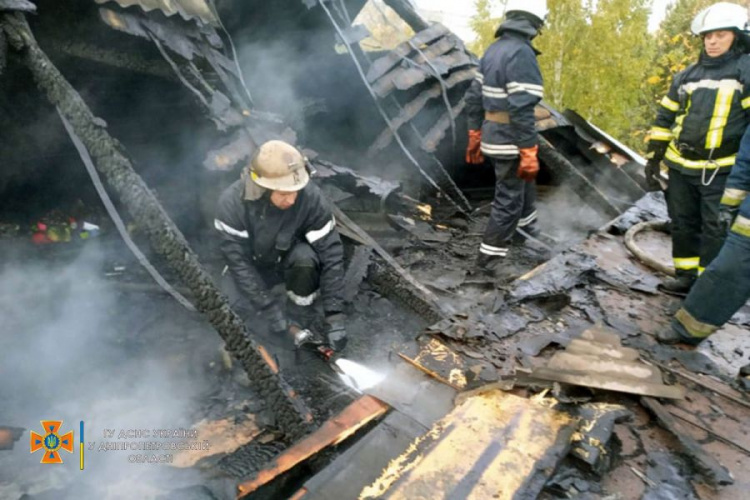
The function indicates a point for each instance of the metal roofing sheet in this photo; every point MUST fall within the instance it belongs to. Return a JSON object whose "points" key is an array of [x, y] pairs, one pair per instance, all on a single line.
{"points": [[188, 9]]}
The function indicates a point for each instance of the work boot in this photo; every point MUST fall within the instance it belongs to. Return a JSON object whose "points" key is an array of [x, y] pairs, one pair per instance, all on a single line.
{"points": [[679, 286], [676, 334], [488, 263]]}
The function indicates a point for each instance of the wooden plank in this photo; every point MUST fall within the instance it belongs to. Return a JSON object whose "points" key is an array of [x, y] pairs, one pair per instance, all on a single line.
{"points": [[710, 468], [708, 383], [495, 445], [630, 386], [733, 441], [334, 431]]}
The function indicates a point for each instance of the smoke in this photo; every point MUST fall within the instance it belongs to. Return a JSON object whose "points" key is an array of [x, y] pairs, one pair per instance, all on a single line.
{"points": [[566, 217], [75, 349]]}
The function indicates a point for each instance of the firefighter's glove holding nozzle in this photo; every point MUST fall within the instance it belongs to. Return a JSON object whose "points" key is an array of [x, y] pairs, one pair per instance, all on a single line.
{"points": [[474, 149], [727, 215], [529, 165], [653, 172], [336, 331]]}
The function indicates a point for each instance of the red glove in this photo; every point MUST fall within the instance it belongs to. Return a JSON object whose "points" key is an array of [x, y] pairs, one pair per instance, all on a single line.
{"points": [[474, 150], [529, 167]]}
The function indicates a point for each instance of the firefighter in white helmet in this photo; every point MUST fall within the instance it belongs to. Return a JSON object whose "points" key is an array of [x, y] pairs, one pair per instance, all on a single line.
{"points": [[696, 134], [277, 227], [500, 106]]}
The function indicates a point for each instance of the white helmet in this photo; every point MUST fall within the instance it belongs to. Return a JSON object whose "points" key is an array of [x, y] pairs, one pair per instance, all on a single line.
{"points": [[279, 166], [720, 16], [537, 8]]}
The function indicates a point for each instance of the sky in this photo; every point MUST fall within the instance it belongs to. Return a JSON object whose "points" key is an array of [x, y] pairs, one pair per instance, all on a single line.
{"points": [[456, 14]]}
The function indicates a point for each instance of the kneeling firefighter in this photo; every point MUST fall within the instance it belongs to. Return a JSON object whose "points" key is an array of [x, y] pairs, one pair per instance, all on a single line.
{"points": [[697, 133], [276, 227], [500, 109]]}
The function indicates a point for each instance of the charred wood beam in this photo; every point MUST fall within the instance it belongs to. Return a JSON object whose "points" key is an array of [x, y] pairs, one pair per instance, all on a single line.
{"points": [[115, 59], [578, 182], [405, 79], [437, 132], [403, 285], [292, 416], [388, 62], [404, 9]]}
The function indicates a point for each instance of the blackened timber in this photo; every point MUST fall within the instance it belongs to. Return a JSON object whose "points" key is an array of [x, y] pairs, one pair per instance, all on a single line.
{"points": [[576, 180], [292, 416], [408, 14], [404, 79], [407, 289], [436, 134]]}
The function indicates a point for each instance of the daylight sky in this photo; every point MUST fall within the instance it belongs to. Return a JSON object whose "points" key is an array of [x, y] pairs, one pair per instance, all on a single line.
{"points": [[456, 13]]}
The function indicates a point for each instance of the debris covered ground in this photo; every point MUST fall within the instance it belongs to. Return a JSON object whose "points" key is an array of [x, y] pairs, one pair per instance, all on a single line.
{"points": [[552, 358]]}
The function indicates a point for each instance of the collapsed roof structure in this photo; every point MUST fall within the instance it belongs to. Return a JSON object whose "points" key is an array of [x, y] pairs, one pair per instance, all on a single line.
{"points": [[167, 101]]}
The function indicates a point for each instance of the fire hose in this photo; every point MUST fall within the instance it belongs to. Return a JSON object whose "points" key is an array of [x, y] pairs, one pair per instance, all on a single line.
{"points": [[638, 253]]}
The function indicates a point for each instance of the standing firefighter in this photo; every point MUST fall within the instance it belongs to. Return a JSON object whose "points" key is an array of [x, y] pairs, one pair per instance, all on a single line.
{"points": [[697, 133], [500, 105], [725, 286], [276, 227]]}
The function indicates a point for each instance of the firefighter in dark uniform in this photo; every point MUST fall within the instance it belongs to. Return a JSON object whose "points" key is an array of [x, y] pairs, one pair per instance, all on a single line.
{"points": [[697, 133], [725, 285], [276, 227], [500, 106]]}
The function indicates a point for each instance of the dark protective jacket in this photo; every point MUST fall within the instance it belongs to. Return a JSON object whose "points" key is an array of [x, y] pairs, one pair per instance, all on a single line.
{"points": [[256, 236], [703, 116], [508, 81], [738, 187]]}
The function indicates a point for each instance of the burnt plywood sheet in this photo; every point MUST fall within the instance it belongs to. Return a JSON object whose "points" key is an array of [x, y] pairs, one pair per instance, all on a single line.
{"points": [[494, 445]]}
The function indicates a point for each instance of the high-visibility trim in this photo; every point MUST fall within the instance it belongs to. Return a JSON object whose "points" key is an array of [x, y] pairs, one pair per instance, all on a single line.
{"points": [[726, 84], [695, 328], [741, 226], [479, 77], [671, 105], [700, 270], [746, 103], [318, 234], [230, 230], [499, 149], [494, 92], [300, 300], [530, 219], [733, 197], [687, 263], [530, 88], [660, 134], [674, 156], [493, 251], [719, 119]]}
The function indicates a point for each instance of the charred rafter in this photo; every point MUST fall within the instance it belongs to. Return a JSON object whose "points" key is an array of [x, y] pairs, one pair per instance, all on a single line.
{"points": [[292, 417]]}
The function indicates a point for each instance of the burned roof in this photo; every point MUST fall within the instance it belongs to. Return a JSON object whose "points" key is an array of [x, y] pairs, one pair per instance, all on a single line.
{"points": [[188, 9]]}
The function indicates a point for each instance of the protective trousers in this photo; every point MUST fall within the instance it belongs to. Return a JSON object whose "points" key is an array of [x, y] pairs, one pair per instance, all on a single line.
{"points": [[694, 208], [299, 270], [514, 206], [720, 291]]}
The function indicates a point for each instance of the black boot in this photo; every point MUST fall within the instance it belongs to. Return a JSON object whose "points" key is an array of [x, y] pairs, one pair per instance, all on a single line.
{"points": [[679, 285], [488, 263]]}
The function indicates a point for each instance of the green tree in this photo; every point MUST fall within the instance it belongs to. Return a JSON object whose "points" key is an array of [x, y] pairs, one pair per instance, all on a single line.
{"points": [[484, 25]]}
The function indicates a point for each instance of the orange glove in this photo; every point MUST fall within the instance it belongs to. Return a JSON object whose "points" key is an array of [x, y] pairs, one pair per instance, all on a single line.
{"points": [[474, 150], [529, 167]]}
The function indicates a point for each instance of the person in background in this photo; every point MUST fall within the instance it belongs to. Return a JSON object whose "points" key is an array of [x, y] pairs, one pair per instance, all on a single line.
{"points": [[276, 227], [697, 133], [500, 106]]}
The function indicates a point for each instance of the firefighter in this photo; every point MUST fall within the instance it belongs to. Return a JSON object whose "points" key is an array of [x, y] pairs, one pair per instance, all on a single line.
{"points": [[725, 285], [500, 106], [697, 133], [276, 227]]}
